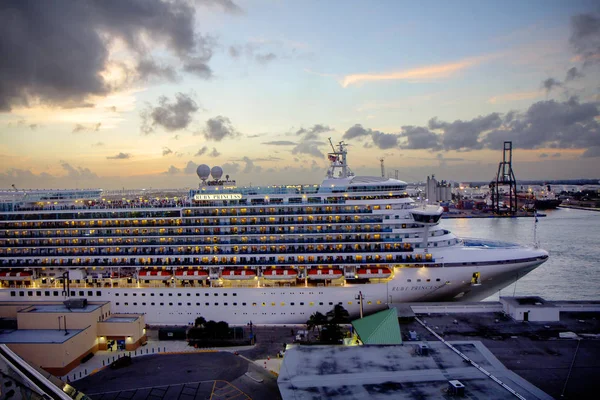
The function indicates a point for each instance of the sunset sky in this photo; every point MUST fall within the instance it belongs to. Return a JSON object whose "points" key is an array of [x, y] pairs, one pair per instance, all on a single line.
{"points": [[137, 93]]}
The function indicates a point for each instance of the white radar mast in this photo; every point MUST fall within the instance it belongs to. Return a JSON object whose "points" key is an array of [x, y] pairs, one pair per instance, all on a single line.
{"points": [[338, 167]]}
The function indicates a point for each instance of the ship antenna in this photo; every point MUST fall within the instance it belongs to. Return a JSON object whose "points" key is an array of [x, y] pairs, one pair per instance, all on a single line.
{"points": [[536, 244], [331, 144]]}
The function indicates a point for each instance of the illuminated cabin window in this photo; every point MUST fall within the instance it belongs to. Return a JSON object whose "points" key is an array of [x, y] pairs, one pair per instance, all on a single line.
{"points": [[378, 301], [312, 303]]}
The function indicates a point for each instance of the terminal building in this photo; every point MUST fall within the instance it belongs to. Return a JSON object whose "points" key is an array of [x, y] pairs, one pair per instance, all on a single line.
{"points": [[59, 336]]}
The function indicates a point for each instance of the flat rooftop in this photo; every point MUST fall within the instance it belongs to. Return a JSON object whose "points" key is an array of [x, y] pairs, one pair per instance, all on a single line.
{"points": [[394, 372], [60, 308], [118, 319], [37, 336]]}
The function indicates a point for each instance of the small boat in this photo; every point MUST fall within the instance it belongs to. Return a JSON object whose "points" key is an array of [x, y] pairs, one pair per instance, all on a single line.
{"points": [[196, 274], [374, 272], [280, 274], [322, 274], [15, 276], [151, 274], [238, 274]]}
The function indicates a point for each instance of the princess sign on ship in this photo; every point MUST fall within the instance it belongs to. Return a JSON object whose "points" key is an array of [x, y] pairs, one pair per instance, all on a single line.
{"points": [[273, 254]]}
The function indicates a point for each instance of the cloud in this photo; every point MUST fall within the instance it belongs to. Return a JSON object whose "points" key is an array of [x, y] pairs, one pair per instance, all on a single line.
{"points": [[429, 72], [171, 116], [312, 133], [64, 59], [77, 172], [98, 144], [550, 84], [190, 168], [280, 143], [201, 152], [86, 128], [173, 170], [566, 125], [265, 58], [148, 69], [585, 37], [214, 153], [249, 166], [219, 128], [464, 135], [120, 156], [356, 131], [384, 140], [572, 74], [418, 137], [166, 151], [231, 168], [310, 148], [543, 155], [592, 152], [235, 51]]}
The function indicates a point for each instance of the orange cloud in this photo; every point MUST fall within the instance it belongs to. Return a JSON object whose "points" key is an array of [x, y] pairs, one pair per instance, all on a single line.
{"points": [[429, 72], [504, 98]]}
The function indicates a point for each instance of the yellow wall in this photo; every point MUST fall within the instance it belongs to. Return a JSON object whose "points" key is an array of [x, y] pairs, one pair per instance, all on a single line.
{"points": [[57, 356], [10, 310], [133, 329], [50, 320]]}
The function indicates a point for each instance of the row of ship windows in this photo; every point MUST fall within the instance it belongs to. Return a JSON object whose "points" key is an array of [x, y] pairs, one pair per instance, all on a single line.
{"points": [[263, 304]]}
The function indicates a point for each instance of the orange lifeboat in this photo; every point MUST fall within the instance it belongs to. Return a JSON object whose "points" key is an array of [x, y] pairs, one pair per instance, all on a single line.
{"points": [[238, 274], [280, 274], [322, 274], [374, 272], [151, 274], [15, 276], [197, 274]]}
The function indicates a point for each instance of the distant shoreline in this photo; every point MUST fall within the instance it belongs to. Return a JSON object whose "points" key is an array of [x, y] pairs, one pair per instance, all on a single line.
{"points": [[579, 207]]}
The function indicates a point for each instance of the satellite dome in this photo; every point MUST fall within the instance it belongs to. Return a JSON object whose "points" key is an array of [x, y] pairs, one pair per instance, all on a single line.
{"points": [[203, 171], [216, 172]]}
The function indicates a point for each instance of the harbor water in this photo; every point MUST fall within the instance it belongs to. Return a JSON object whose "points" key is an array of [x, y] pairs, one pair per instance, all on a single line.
{"points": [[572, 237]]}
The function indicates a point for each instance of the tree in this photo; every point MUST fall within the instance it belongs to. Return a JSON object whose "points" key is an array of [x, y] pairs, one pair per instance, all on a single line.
{"points": [[199, 322], [316, 321], [338, 315]]}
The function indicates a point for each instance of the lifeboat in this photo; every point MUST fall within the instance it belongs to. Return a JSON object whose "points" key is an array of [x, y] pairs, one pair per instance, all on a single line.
{"points": [[238, 274], [151, 274], [322, 274], [374, 272], [15, 276], [280, 274], [197, 274]]}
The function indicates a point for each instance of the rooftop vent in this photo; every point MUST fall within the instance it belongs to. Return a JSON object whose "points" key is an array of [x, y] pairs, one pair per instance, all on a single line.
{"points": [[76, 303], [456, 388]]}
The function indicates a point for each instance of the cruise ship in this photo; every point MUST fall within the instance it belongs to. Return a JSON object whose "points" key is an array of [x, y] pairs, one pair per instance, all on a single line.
{"points": [[266, 255]]}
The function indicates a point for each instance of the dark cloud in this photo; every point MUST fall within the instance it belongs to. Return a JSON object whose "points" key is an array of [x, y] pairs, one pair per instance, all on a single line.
{"points": [[120, 156], [231, 168], [464, 135], [384, 140], [573, 73], [256, 135], [249, 166], [592, 152], [280, 143], [585, 37], [566, 125], [550, 84], [235, 51], [219, 128], [214, 153], [171, 116], [77, 172], [310, 147], [61, 61], [173, 170], [190, 168], [357, 131], [166, 151], [86, 128], [544, 155], [201, 152], [313, 133], [418, 137], [148, 69]]}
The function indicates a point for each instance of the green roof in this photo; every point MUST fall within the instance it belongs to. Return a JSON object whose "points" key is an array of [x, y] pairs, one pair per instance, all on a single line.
{"points": [[379, 328]]}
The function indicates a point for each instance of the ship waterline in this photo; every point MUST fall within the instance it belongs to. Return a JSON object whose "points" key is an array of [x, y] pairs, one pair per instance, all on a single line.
{"points": [[275, 254]]}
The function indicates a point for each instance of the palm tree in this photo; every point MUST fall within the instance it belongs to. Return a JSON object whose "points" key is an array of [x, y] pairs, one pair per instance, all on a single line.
{"points": [[316, 321], [338, 315]]}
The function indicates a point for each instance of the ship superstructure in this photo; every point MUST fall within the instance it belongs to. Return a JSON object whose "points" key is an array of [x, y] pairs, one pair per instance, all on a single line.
{"points": [[268, 254]]}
